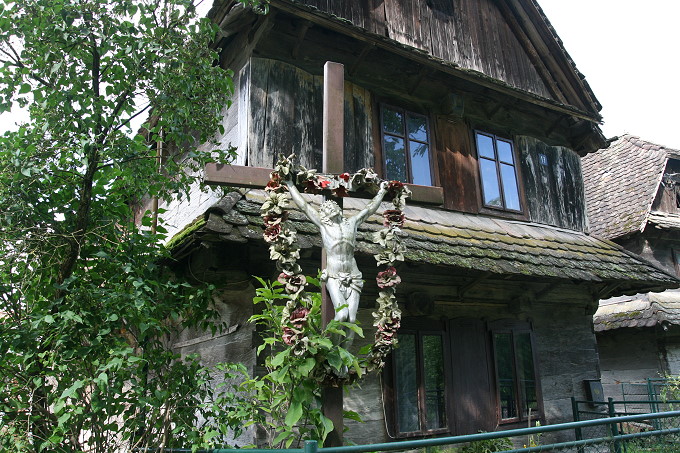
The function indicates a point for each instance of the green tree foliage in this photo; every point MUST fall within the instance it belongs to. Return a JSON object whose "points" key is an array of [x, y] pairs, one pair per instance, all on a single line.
{"points": [[285, 399], [87, 313]]}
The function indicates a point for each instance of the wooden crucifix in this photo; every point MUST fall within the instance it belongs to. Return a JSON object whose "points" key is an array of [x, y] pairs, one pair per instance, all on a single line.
{"points": [[333, 162]]}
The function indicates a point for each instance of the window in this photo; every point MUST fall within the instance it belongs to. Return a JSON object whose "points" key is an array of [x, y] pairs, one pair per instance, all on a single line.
{"points": [[419, 383], [516, 387], [498, 172], [469, 376], [406, 146]]}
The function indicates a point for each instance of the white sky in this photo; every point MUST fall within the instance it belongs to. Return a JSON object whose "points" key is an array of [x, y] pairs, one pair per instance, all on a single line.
{"points": [[629, 52]]}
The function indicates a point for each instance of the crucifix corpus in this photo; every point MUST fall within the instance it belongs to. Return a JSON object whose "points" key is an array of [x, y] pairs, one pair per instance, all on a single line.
{"points": [[340, 272], [341, 279]]}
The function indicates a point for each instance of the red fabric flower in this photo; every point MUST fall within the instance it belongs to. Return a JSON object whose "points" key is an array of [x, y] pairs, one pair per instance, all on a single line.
{"points": [[294, 283], [273, 219], [395, 185], [272, 232], [393, 217], [341, 191], [299, 317], [323, 183], [388, 278], [288, 335]]}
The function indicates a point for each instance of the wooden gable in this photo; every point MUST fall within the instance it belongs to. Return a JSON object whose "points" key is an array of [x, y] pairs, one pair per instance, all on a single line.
{"points": [[506, 40]]}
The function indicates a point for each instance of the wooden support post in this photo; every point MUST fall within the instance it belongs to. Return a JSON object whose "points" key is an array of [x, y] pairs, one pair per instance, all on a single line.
{"points": [[333, 162]]}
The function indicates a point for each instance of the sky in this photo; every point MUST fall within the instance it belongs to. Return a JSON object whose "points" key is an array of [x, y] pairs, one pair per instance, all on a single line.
{"points": [[629, 52]]}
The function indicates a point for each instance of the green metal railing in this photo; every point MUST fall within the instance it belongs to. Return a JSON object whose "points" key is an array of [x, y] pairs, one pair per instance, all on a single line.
{"points": [[615, 438]]}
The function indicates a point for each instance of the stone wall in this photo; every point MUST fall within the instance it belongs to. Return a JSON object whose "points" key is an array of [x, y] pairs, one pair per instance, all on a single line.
{"points": [[628, 356]]}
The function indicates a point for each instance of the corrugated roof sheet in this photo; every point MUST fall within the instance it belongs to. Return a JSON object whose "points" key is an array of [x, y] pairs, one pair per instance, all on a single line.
{"points": [[464, 241], [621, 182], [643, 310]]}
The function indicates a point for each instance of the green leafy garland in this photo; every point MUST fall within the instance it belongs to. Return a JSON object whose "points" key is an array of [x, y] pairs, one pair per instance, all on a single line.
{"points": [[284, 250]]}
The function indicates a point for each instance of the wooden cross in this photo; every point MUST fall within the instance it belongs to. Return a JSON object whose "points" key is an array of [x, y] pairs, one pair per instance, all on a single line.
{"points": [[333, 162]]}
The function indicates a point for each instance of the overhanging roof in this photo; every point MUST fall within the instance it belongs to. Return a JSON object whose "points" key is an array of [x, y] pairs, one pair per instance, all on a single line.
{"points": [[467, 242]]}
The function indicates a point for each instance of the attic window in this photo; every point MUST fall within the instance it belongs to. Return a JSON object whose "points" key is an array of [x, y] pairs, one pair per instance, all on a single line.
{"points": [[498, 172], [406, 144]]}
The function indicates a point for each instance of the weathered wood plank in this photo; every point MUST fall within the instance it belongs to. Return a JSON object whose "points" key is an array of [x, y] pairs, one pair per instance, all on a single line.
{"points": [[457, 165], [553, 184], [257, 113], [258, 177], [306, 130], [281, 102], [358, 129], [236, 176]]}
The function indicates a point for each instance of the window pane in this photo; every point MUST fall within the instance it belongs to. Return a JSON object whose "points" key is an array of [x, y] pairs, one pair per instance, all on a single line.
{"points": [[395, 158], [433, 356], [393, 121], [510, 192], [485, 146], [417, 128], [506, 377], [492, 193], [527, 380], [420, 164], [504, 151], [406, 383]]}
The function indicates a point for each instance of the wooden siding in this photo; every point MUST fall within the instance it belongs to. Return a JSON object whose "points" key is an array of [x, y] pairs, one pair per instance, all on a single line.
{"points": [[473, 34], [553, 184], [285, 116]]}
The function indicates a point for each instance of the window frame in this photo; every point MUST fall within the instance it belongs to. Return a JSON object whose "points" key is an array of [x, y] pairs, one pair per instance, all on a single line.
{"points": [[419, 333], [499, 179], [406, 111], [514, 328], [490, 409]]}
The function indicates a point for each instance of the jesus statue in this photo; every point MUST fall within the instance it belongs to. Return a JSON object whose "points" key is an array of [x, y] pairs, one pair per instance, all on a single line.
{"points": [[338, 234]]}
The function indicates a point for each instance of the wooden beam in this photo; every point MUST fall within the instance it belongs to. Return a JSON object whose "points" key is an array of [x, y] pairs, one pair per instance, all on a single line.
{"points": [[300, 38], [366, 49], [333, 118], [333, 162], [258, 177], [460, 293], [236, 176]]}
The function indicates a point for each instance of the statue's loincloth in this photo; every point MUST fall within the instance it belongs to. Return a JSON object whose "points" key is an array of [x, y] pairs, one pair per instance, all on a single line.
{"points": [[348, 281]]}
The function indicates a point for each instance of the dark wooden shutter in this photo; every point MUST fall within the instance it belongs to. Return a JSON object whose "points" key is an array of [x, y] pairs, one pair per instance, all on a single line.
{"points": [[473, 396], [457, 165]]}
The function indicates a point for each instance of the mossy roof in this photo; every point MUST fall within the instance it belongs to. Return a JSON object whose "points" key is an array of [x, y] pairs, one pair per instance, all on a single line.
{"points": [[462, 241], [642, 310]]}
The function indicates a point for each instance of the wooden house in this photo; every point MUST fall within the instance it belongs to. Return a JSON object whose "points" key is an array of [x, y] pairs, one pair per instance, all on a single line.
{"points": [[633, 198], [478, 106]]}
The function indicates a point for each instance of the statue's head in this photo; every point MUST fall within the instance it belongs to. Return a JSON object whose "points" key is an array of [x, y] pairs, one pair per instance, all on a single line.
{"points": [[330, 212]]}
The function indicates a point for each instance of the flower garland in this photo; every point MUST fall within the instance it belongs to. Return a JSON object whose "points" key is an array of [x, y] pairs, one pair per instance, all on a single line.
{"points": [[284, 250]]}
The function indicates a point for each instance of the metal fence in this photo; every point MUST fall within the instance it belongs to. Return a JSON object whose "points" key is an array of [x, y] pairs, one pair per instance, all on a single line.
{"points": [[642, 433]]}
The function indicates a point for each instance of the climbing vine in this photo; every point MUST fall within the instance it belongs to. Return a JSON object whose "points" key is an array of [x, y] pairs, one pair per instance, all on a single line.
{"points": [[285, 251]]}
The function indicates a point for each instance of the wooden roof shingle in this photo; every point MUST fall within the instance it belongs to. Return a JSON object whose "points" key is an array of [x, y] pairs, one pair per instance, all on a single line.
{"points": [[643, 310], [463, 241], [621, 182]]}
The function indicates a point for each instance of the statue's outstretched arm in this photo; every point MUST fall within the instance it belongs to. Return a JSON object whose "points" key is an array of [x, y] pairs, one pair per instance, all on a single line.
{"points": [[372, 206], [309, 211]]}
